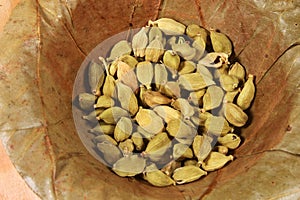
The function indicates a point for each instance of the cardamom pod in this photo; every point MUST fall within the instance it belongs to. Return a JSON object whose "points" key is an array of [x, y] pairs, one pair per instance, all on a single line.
{"points": [[92, 116], [123, 129], [110, 152], [130, 80], [126, 147], [184, 107], [200, 117], [184, 50], [129, 166], [112, 115], [247, 94], [122, 47], [149, 120], [168, 26], [139, 43], [221, 70], [213, 97], [102, 129], [231, 141], [129, 60], [217, 125], [215, 161], [235, 115], [202, 147], [154, 98], [127, 98], [229, 83], [194, 81], [230, 96], [113, 67], [186, 67], [104, 101], [147, 135], [214, 59], [182, 151], [200, 45], [172, 61], [109, 86], [138, 141], [178, 129], [105, 138], [155, 32], [194, 30], [195, 97], [123, 68], [160, 75], [95, 76], [158, 142], [220, 42], [204, 71], [237, 70], [221, 149], [158, 178], [86, 101], [154, 50], [167, 113], [169, 168], [171, 89], [145, 74], [187, 174]]}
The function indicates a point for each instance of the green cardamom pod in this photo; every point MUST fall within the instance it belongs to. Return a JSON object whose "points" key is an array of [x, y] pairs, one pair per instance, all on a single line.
{"points": [[171, 89], [121, 48], [217, 125], [138, 141], [149, 120], [179, 129], [110, 152], [186, 67], [231, 141], [129, 60], [104, 138], [229, 83], [194, 81], [221, 149], [190, 162], [194, 30], [168, 26], [215, 161], [235, 115], [237, 70], [204, 71], [213, 97], [154, 50], [123, 68], [196, 97], [172, 61], [247, 94], [126, 147], [230, 96], [199, 44], [154, 98], [127, 98], [158, 178], [167, 113], [109, 86], [129, 166], [184, 50], [104, 101], [95, 76], [214, 60], [112, 115], [103, 129], [92, 116], [221, 70], [86, 101], [182, 151], [220, 42], [144, 73], [184, 107], [169, 168], [187, 174], [160, 75], [139, 43], [202, 147], [123, 129]]}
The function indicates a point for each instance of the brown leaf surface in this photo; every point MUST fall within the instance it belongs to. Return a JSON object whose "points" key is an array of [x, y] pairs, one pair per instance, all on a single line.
{"points": [[44, 44]]}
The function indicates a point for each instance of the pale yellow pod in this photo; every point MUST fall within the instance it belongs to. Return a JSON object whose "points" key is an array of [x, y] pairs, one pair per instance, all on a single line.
{"points": [[213, 97], [237, 70], [184, 107], [145, 73], [231, 141], [215, 161], [158, 178], [139, 43], [154, 50], [186, 67], [171, 60], [129, 166], [220, 42], [188, 174], [235, 115], [168, 26], [153, 98], [247, 94], [194, 30], [104, 138], [123, 47], [149, 120], [194, 81], [214, 59], [167, 113]]}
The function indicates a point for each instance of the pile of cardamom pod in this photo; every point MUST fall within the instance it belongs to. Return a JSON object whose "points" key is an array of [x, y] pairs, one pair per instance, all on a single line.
{"points": [[164, 103]]}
